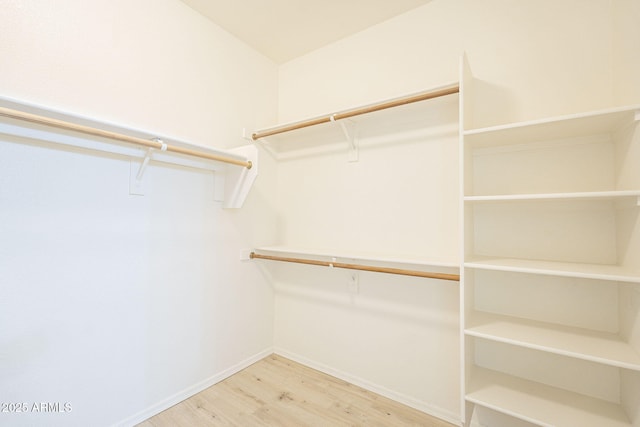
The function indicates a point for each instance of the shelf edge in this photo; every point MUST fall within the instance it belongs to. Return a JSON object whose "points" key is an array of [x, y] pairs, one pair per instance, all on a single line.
{"points": [[549, 120]]}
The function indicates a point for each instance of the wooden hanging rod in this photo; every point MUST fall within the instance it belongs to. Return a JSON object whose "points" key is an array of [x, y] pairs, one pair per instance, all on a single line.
{"points": [[423, 96], [414, 273], [60, 124]]}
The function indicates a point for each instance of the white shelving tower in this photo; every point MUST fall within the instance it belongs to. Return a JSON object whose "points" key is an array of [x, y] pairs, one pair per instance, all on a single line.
{"points": [[550, 290]]}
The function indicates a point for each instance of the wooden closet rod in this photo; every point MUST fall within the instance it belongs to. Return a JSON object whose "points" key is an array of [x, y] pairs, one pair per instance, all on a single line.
{"points": [[60, 124], [435, 93], [415, 273]]}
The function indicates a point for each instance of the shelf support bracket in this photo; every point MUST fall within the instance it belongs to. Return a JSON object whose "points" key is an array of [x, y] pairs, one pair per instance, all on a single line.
{"points": [[349, 129], [135, 181], [636, 117], [246, 135]]}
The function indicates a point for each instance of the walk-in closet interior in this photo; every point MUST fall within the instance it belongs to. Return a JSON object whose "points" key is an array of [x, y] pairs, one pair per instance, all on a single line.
{"points": [[441, 205]]}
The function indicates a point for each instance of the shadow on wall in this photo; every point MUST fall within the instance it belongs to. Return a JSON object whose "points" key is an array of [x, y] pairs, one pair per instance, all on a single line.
{"points": [[490, 98], [406, 299]]}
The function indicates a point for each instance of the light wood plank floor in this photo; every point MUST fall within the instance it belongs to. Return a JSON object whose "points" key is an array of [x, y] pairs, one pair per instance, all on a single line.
{"points": [[279, 392]]}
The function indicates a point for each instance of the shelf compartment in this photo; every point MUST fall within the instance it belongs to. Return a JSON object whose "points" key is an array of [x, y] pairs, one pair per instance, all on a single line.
{"points": [[552, 268], [584, 237], [579, 343], [594, 152], [539, 403], [602, 308], [582, 232]]}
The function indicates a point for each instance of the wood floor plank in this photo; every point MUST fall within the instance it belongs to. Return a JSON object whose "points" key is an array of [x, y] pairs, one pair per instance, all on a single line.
{"points": [[279, 392]]}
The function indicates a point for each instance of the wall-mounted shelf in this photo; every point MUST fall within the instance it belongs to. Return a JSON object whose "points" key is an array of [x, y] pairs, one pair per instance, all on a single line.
{"points": [[393, 264], [595, 346], [553, 268], [541, 404], [235, 170], [410, 115], [600, 122], [633, 195]]}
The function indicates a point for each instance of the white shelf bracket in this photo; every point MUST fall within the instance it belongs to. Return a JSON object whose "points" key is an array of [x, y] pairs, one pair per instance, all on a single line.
{"points": [[636, 117], [264, 143], [349, 129], [246, 135], [352, 283], [144, 164], [238, 181], [135, 180]]}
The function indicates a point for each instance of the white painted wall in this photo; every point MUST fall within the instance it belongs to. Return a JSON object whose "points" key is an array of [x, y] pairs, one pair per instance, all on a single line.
{"points": [[118, 304], [538, 58], [531, 59], [626, 52], [399, 199]]}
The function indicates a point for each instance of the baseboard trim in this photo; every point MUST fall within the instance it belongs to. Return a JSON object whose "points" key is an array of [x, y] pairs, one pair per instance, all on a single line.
{"points": [[190, 391], [434, 411]]}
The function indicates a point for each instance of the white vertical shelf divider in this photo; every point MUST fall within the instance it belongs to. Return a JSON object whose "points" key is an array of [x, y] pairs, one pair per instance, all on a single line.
{"points": [[466, 94]]}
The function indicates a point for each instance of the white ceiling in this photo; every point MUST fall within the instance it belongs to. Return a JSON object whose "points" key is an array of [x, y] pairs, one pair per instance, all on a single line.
{"points": [[285, 29]]}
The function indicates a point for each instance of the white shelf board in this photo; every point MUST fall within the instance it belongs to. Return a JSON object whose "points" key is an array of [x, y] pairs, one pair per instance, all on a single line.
{"points": [[579, 343], [541, 404], [566, 269], [367, 257], [569, 126], [589, 195]]}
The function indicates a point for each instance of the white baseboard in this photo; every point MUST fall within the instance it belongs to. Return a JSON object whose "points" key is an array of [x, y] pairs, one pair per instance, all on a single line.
{"points": [[437, 412], [190, 391]]}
